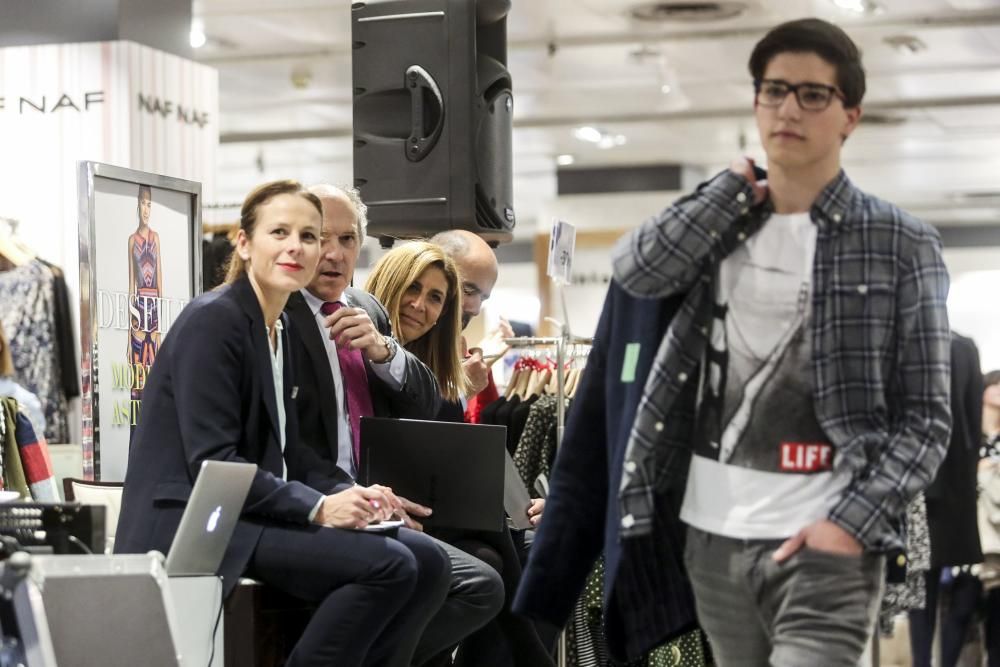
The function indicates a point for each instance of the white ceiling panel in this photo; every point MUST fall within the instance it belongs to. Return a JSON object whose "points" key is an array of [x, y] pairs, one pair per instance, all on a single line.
{"points": [[284, 70]]}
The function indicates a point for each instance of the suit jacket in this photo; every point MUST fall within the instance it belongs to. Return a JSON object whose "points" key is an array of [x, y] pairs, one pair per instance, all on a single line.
{"points": [[210, 395], [951, 498], [419, 398], [647, 596]]}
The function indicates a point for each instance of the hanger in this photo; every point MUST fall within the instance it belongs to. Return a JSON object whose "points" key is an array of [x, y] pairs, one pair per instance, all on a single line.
{"points": [[11, 248]]}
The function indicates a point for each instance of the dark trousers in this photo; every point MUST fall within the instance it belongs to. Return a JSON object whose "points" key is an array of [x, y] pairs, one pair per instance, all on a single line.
{"points": [[507, 640], [965, 592], [992, 627], [475, 596], [374, 593]]}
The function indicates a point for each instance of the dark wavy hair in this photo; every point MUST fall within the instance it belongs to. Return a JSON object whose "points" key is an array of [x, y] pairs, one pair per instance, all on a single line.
{"points": [[824, 39]]}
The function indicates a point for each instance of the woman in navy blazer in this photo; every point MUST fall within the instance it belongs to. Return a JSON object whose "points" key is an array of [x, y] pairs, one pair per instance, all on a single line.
{"points": [[211, 394]]}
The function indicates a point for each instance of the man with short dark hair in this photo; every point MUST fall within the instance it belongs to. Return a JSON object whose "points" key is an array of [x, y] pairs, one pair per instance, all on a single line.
{"points": [[800, 397]]}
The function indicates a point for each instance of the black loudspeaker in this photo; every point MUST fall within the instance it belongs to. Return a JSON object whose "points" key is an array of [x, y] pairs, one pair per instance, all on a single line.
{"points": [[433, 114]]}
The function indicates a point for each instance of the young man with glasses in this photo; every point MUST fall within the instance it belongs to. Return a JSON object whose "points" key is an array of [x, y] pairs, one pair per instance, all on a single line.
{"points": [[800, 398]]}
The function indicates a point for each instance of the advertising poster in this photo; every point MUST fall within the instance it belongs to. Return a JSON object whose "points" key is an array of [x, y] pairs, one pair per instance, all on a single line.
{"points": [[141, 258]]}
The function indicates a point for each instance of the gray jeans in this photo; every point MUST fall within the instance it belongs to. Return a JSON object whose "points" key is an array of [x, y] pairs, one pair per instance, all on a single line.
{"points": [[815, 609]]}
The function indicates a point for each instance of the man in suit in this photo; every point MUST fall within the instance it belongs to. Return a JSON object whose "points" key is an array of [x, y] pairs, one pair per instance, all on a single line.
{"points": [[398, 385]]}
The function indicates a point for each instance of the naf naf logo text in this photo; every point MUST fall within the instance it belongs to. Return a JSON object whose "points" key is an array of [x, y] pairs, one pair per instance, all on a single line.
{"points": [[61, 103], [166, 108], [52, 103]]}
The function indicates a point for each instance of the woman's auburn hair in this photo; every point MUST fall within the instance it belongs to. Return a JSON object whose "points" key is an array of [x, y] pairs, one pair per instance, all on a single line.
{"points": [[440, 348]]}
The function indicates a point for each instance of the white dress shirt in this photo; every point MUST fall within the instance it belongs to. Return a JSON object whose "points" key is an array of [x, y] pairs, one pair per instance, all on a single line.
{"points": [[278, 369], [392, 372]]}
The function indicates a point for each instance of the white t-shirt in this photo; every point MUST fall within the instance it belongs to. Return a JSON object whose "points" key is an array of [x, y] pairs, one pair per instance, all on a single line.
{"points": [[762, 466]]}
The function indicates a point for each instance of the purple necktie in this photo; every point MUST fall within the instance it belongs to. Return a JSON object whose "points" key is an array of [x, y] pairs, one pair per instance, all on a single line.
{"points": [[359, 398]]}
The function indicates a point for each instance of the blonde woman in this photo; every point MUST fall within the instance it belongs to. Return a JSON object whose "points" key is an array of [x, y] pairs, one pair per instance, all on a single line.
{"points": [[419, 286]]}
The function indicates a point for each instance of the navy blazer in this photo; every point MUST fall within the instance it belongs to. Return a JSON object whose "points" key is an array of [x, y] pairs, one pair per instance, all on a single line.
{"points": [[647, 596], [210, 395], [419, 398]]}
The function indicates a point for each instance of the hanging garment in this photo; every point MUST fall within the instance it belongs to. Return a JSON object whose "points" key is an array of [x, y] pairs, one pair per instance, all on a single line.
{"points": [[648, 598], [65, 334], [537, 446], [27, 457], [912, 593], [27, 402], [27, 306]]}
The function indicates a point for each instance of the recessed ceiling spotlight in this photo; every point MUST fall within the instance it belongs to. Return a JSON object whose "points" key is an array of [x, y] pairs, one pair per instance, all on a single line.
{"points": [[859, 6], [589, 134], [565, 160], [611, 141], [905, 43], [666, 88], [671, 11], [197, 37]]}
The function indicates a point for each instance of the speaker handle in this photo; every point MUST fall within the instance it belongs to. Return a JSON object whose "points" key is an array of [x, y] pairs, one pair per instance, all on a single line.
{"points": [[420, 83]]}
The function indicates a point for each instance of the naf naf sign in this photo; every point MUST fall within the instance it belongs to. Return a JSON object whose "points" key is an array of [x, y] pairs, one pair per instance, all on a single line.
{"points": [[83, 102], [53, 103], [166, 108]]}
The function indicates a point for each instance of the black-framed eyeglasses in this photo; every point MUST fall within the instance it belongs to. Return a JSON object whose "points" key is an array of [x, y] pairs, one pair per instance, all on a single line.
{"points": [[810, 96]]}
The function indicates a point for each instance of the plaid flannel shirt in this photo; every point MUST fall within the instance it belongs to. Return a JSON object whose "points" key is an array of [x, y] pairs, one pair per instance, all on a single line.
{"points": [[880, 346]]}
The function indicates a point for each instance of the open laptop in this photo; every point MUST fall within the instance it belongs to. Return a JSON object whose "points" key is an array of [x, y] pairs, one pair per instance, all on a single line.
{"points": [[210, 518], [516, 499], [455, 469]]}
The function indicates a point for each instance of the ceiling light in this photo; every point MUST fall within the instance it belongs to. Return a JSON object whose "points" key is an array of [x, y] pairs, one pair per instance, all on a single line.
{"points": [[197, 36], [611, 141], [588, 134], [565, 160], [686, 12], [905, 43], [665, 89], [859, 6]]}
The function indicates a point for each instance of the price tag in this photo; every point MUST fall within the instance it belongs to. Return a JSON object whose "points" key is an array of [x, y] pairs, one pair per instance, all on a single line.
{"points": [[562, 244]]}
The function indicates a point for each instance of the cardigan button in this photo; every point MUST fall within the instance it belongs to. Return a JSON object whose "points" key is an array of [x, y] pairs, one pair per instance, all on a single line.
{"points": [[630, 466], [658, 426], [741, 197], [628, 521]]}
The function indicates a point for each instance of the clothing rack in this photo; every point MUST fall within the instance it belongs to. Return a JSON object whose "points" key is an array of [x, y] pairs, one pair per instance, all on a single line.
{"points": [[560, 342]]}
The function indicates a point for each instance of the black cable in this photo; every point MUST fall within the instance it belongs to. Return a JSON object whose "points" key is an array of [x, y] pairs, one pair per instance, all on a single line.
{"points": [[215, 630]]}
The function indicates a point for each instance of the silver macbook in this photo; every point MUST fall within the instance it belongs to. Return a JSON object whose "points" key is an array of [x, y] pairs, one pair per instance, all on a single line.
{"points": [[210, 518]]}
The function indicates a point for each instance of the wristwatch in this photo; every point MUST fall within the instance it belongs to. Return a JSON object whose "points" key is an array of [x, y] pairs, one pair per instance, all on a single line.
{"points": [[391, 345]]}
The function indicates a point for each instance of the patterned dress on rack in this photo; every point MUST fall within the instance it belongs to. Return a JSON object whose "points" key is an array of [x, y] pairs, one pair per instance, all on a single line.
{"points": [[912, 593], [27, 307]]}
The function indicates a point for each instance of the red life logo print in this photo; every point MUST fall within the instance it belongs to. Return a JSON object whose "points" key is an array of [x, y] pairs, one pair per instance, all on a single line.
{"points": [[806, 456]]}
